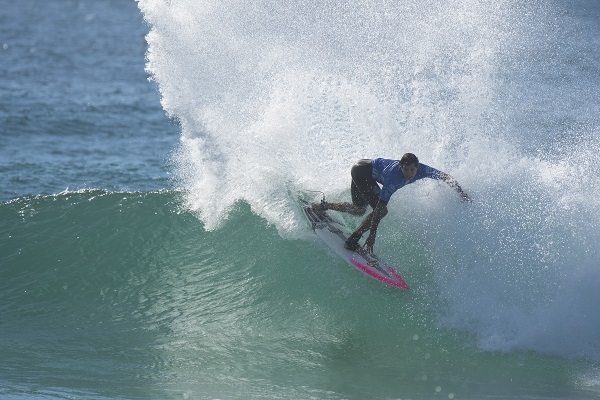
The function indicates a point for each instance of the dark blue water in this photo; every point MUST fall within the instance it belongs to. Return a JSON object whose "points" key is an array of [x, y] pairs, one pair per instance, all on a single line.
{"points": [[77, 110], [151, 245]]}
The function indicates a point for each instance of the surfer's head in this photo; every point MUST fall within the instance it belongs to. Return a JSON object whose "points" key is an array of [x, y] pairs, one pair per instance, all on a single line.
{"points": [[408, 165]]}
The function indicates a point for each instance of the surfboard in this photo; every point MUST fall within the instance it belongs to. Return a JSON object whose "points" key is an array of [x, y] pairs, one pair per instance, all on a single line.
{"points": [[335, 233]]}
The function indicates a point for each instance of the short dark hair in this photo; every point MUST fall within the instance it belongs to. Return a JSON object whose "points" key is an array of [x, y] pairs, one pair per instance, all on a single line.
{"points": [[409, 158]]}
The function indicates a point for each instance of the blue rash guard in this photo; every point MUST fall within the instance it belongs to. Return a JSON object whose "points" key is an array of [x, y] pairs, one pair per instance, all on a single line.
{"points": [[389, 175]]}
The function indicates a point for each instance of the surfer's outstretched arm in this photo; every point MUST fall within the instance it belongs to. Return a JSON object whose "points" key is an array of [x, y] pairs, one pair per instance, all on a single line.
{"points": [[453, 183]]}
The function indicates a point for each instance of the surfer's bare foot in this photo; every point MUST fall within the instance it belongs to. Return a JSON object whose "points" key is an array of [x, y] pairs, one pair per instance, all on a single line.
{"points": [[319, 207], [352, 242]]}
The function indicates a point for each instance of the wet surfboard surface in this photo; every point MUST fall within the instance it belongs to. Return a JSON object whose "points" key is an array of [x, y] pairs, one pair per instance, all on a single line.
{"points": [[335, 233]]}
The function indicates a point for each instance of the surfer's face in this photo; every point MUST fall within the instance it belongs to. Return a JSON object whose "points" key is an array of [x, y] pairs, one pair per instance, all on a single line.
{"points": [[409, 171]]}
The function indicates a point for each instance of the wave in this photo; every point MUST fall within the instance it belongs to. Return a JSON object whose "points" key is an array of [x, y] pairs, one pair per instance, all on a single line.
{"points": [[279, 101], [133, 280]]}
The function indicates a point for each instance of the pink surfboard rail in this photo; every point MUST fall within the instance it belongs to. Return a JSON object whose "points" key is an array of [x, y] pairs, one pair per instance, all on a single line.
{"points": [[395, 279]]}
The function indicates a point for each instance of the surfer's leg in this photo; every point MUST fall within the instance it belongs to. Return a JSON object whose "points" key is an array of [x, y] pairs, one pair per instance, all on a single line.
{"points": [[341, 207], [363, 188], [360, 172], [358, 206], [352, 241]]}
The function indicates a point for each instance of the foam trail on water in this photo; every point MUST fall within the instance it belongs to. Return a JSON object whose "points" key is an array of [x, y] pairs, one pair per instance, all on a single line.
{"points": [[276, 98]]}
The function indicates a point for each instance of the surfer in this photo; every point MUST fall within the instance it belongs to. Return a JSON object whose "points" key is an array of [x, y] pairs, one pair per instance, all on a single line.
{"points": [[365, 190]]}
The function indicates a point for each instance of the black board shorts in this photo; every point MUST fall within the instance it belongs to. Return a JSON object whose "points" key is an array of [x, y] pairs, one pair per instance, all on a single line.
{"points": [[364, 188]]}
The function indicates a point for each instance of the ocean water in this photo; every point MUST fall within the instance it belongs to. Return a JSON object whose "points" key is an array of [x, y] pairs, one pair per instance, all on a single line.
{"points": [[152, 153]]}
